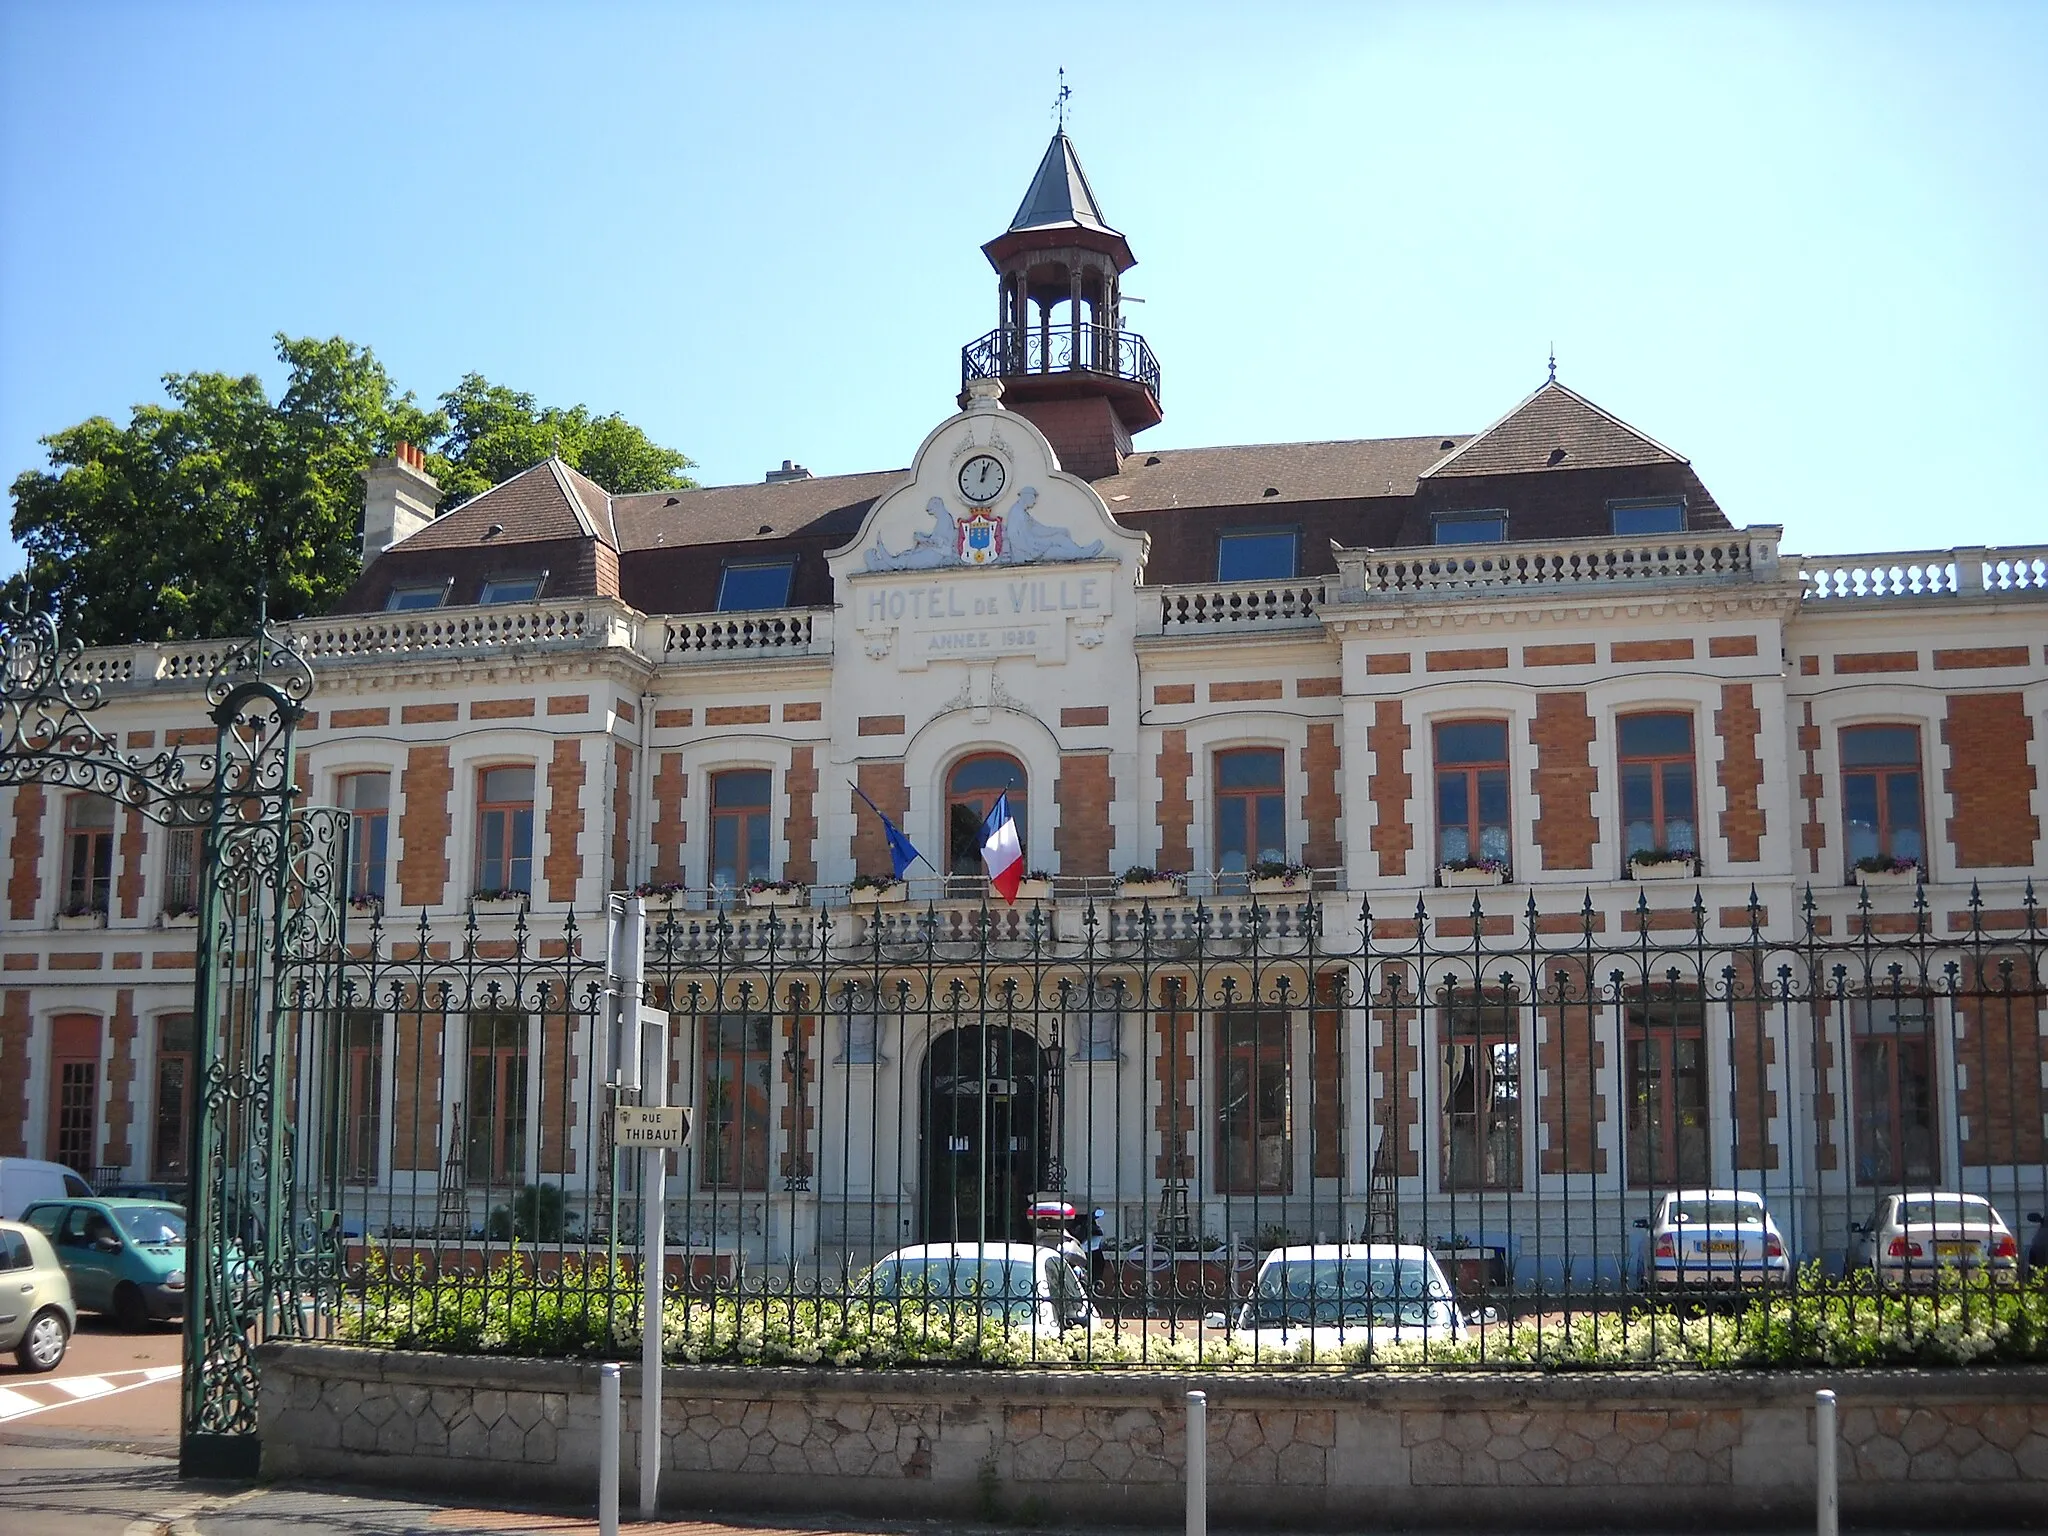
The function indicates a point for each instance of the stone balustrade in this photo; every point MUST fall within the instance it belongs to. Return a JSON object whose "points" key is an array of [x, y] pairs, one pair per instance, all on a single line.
{"points": [[1230, 607], [723, 636], [1927, 573], [1505, 570]]}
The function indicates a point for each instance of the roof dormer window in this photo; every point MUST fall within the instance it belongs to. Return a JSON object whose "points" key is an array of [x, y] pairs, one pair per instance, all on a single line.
{"points": [[1471, 527], [512, 589], [754, 584], [1257, 554], [1666, 515], [406, 599]]}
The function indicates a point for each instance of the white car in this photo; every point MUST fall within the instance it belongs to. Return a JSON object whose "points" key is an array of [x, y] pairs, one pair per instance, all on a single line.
{"points": [[1711, 1238], [1017, 1285], [1328, 1296], [1911, 1240]]}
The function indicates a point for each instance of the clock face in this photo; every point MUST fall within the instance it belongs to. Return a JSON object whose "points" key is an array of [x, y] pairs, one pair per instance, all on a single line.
{"points": [[981, 478]]}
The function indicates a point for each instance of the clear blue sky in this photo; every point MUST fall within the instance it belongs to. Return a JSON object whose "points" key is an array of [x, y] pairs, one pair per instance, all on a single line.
{"points": [[1805, 245]]}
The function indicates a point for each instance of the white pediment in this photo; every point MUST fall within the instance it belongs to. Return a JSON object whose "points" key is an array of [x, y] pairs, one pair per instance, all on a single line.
{"points": [[986, 491]]}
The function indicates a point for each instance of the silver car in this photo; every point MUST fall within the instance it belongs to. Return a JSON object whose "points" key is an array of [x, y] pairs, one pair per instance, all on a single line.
{"points": [[36, 1312], [1326, 1296], [1913, 1240], [1711, 1238]]}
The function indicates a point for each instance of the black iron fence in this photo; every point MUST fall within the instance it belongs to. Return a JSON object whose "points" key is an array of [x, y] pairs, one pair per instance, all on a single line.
{"points": [[1239, 1127]]}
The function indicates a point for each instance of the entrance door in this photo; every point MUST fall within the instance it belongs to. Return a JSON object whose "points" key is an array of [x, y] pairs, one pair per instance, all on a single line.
{"points": [[75, 1091], [982, 1122]]}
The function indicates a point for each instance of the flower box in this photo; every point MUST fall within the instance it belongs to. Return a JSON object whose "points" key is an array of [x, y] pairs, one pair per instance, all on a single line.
{"points": [[179, 920], [1884, 877], [1148, 890], [500, 901], [81, 920], [795, 896], [1034, 890], [874, 895], [1446, 876], [1660, 869], [1279, 885]]}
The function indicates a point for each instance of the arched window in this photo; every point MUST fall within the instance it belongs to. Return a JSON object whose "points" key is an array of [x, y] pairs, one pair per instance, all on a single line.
{"points": [[971, 789], [1251, 809]]}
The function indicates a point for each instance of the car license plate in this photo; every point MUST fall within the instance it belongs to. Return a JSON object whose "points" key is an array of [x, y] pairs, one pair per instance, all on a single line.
{"points": [[1955, 1250], [1722, 1245]]}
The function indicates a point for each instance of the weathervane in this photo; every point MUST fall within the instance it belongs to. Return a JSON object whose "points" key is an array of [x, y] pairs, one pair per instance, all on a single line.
{"points": [[1553, 362], [1059, 102]]}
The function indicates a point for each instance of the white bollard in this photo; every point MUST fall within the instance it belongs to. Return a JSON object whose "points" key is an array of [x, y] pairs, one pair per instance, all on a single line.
{"points": [[1827, 1517], [1198, 1464], [608, 1449]]}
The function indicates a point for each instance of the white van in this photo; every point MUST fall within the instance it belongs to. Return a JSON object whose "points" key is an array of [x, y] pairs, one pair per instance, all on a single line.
{"points": [[25, 1180]]}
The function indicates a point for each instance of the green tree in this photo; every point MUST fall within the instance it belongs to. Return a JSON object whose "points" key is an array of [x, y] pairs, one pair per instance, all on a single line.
{"points": [[162, 529]]}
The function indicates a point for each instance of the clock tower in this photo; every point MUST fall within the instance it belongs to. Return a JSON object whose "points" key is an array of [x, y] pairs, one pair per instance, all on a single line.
{"points": [[1059, 346]]}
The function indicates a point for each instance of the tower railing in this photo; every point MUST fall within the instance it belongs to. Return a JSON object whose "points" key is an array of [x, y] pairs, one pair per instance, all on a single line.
{"points": [[1011, 351]]}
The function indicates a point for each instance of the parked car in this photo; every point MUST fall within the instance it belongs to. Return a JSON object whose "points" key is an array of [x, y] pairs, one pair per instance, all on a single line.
{"points": [[1016, 1285], [37, 1315], [1329, 1295], [163, 1194], [1710, 1238], [25, 1180], [2037, 1248], [123, 1257], [1913, 1239]]}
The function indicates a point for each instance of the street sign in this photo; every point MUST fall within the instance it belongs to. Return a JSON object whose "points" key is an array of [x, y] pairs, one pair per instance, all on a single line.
{"points": [[635, 1126]]}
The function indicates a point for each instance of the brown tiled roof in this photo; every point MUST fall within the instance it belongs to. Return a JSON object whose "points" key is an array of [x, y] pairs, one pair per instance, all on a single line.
{"points": [[825, 505], [1242, 476], [544, 502], [1554, 418]]}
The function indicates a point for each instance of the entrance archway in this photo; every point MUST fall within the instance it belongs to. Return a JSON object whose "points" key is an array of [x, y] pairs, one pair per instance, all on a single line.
{"points": [[983, 1134]]}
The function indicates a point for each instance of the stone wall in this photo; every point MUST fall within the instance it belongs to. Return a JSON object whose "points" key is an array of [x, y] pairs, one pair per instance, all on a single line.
{"points": [[1505, 1449]]}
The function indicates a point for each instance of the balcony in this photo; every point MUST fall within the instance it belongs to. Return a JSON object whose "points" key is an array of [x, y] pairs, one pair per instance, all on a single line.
{"points": [[1019, 357]]}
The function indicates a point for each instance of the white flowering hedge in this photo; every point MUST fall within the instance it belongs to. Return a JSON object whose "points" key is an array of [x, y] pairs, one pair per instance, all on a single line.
{"points": [[593, 1312]]}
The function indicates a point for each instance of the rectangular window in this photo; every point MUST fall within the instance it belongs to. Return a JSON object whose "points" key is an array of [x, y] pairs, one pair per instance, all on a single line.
{"points": [[406, 599], [732, 1152], [1257, 554], [173, 1127], [1657, 791], [1095, 1023], [1892, 1081], [88, 854], [367, 799], [752, 584], [181, 870], [504, 831], [1647, 516], [739, 827], [511, 589], [362, 1094], [1472, 793], [1251, 809], [1482, 1092], [1255, 1090], [496, 1126], [1881, 792], [1667, 1089], [1471, 527]]}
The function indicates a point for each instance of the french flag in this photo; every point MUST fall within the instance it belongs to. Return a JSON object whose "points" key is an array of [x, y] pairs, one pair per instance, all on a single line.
{"points": [[1001, 854]]}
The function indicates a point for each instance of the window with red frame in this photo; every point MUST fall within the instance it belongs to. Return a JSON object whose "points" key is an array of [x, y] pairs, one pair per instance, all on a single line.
{"points": [[504, 831], [1472, 792], [1657, 784], [1881, 793], [1255, 1087], [88, 854], [1251, 809]]}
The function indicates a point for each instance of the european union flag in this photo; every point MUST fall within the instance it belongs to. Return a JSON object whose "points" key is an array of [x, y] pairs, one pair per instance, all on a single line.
{"points": [[902, 851]]}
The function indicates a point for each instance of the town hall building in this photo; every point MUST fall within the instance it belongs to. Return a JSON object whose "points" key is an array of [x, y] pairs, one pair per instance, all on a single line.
{"points": [[1328, 760]]}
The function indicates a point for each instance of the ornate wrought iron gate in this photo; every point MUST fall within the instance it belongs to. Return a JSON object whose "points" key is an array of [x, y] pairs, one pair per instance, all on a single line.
{"points": [[263, 1235]]}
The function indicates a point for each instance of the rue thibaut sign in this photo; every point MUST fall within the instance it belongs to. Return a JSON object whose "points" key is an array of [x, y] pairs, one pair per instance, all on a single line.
{"points": [[666, 1126]]}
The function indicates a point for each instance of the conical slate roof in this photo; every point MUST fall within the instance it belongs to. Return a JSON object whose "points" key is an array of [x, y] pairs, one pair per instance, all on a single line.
{"points": [[1059, 193]]}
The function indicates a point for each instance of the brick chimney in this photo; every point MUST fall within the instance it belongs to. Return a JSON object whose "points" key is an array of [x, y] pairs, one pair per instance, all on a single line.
{"points": [[398, 499]]}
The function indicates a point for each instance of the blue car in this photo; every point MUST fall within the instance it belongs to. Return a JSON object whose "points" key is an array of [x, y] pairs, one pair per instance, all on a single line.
{"points": [[123, 1257]]}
